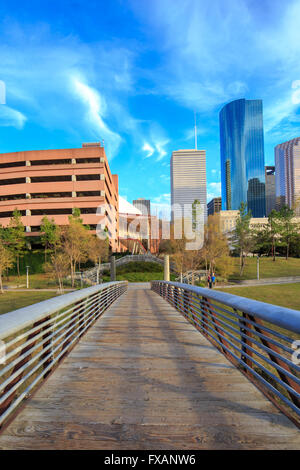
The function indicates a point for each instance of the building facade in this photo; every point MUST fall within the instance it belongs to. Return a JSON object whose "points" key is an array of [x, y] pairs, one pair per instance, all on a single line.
{"points": [[270, 189], [242, 156], [138, 233], [214, 206], [287, 178], [143, 205], [188, 180], [54, 182]]}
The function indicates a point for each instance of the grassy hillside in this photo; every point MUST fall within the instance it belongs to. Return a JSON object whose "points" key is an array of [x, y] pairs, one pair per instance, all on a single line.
{"points": [[139, 271], [285, 295]]}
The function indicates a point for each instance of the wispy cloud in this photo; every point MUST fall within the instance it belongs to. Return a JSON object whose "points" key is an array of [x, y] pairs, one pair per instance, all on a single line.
{"points": [[46, 75], [149, 149], [11, 117], [217, 51], [160, 149], [95, 111]]}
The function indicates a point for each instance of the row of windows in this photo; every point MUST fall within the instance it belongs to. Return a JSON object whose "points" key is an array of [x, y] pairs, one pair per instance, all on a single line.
{"points": [[64, 211], [49, 195], [61, 161], [49, 179]]}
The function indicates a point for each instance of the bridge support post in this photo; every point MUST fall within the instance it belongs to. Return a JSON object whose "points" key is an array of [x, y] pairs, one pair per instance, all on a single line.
{"points": [[166, 268], [112, 268]]}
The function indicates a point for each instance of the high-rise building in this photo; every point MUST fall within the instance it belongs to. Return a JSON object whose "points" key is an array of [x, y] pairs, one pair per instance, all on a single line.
{"points": [[143, 205], [270, 189], [287, 176], [214, 206], [188, 180], [242, 156]]}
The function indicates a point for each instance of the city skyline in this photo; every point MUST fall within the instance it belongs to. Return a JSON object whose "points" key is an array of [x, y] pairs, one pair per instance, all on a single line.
{"points": [[136, 83]]}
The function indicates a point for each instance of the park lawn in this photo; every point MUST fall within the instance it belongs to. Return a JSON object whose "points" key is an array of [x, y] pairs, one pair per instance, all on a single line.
{"points": [[267, 268], [285, 295], [36, 281], [13, 300]]}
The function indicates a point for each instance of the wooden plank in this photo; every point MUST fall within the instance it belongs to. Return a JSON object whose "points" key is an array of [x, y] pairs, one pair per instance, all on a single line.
{"points": [[144, 378]]}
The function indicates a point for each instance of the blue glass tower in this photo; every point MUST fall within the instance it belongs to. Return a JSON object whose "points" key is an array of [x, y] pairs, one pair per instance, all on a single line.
{"points": [[242, 156]]}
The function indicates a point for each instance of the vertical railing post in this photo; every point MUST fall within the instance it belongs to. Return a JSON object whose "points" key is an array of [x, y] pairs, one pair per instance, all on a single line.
{"points": [[166, 268], [112, 268], [246, 341]]}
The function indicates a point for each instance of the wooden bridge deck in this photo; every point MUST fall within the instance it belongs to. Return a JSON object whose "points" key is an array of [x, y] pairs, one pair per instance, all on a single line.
{"points": [[144, 378]]}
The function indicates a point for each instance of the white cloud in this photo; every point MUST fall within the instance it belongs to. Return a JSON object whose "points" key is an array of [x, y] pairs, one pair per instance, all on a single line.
{"points": [[95, 111], [149, 149], [160, 149], [46, 74], [213, 190], [214, 52], [11, 117]]}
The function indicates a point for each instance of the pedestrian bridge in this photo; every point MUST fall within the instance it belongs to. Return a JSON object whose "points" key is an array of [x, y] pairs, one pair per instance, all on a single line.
{"points": [[167, 366]]}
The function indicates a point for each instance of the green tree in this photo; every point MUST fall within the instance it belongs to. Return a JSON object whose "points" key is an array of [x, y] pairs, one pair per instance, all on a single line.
{"points": [[215, 250], [50, 235], [6, 261], [75, 241], [242, 236], [274, 231], [288, 228], [15, 237]]}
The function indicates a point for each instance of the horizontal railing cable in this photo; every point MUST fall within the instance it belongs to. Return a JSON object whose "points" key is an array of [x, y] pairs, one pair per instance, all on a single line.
{"points": [[36, 338], [256, 337]]}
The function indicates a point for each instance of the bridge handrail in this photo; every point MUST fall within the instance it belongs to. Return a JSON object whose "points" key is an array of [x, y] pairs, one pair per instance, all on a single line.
{"points": [[283, 317], [256, 337], [34, 339]]}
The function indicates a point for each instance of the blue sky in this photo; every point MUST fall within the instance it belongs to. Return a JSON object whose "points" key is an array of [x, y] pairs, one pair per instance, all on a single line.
{"points": [[132, 72]]}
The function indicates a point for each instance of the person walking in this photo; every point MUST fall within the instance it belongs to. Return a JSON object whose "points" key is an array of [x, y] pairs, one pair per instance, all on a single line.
{"points": [[213, 278], [208, 280]]}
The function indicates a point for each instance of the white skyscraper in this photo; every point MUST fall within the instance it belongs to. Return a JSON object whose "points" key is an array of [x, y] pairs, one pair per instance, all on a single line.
{"points": [[188, 180]]}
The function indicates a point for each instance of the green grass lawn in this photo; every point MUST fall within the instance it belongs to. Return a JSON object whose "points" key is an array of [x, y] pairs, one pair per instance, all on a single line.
{"points": [[285, 295], [139, 271], [13, 300], [267, 268]]}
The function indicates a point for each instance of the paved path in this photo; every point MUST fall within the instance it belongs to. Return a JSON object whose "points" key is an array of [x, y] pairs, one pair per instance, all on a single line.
{"points": [[144, 378]]}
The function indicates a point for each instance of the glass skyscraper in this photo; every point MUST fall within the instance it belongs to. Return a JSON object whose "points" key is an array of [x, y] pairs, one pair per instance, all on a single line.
{"points": [[242, 156]]}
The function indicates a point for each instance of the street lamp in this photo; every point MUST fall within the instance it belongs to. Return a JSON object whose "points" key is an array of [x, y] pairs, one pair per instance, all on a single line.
{"points": [[27, 277], [257, 267]]}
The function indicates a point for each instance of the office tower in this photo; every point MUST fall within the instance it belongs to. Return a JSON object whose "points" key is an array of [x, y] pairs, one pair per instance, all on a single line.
{"points": [[270, 189], [242, 156], [143, 205], [287, 176], [54, 182], [188, 180], [214, 206]]}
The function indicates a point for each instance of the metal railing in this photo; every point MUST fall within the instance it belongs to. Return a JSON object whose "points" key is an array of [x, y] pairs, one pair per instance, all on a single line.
{"points": [[36, 338], [259, 338]]}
